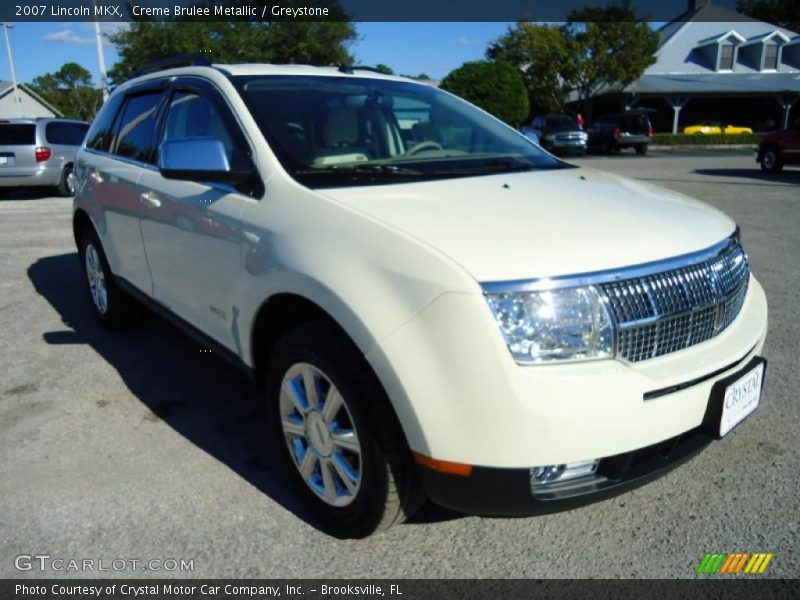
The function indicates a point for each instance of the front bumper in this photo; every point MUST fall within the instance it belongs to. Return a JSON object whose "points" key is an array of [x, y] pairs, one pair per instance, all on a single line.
{"points": [[511, 492]]}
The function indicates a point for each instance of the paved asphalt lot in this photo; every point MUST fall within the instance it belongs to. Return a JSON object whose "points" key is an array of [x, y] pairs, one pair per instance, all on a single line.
{"points": [[139, 446]]}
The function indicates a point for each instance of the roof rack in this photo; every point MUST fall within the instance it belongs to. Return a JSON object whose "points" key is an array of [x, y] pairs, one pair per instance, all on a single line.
{"points": [[350, 68], [179, 60]]}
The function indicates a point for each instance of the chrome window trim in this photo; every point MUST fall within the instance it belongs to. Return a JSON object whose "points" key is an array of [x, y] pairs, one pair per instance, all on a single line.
{"points": [[610, 275]]}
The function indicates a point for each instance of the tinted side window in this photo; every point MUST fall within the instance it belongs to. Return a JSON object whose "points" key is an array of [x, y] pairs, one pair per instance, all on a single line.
{"points": [[135, 132], [69, 134], [17, 134], [100, 133]]}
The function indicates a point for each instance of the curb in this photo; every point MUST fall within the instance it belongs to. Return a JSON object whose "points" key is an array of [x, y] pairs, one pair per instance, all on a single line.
{"points": [[705, 147]]}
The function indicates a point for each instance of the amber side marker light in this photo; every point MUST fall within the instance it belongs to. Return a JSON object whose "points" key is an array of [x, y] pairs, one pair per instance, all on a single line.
{"points": [[443, 466]]}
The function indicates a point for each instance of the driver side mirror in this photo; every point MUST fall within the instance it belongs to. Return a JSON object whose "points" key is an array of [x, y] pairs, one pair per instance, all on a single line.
{"points": [[198, 159]]}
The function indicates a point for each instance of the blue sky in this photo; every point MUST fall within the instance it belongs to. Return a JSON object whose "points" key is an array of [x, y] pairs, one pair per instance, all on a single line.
{"points": [[409, 48]]}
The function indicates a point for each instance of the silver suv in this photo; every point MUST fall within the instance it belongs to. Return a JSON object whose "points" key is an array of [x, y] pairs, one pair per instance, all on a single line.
{"points": [[40, 152]]}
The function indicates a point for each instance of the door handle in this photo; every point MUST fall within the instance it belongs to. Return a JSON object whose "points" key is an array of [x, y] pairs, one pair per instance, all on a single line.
{"points": [[96, 177], [150, 200]]}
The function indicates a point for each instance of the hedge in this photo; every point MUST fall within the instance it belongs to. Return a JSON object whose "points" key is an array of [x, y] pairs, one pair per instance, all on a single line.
{"points": [[680, 139]]}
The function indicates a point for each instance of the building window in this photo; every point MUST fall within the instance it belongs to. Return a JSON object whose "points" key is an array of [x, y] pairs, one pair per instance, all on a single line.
{"points": [[771, 56], [726, 57]]}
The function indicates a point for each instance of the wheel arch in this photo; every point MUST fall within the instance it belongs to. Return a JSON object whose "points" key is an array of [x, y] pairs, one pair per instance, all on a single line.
{"points": [[285, 310], [81, 221]]}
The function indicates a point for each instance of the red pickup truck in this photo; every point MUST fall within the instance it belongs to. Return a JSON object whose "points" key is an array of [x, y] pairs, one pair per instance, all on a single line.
{"points": [[779, 148]]}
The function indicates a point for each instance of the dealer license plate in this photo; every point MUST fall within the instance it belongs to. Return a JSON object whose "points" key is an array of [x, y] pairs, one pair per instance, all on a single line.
{"points": [[741, 399]]}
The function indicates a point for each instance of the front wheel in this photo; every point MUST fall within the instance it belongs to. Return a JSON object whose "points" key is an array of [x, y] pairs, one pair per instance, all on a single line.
{"points": [[338, 434], [641, 149], [771, 160]]}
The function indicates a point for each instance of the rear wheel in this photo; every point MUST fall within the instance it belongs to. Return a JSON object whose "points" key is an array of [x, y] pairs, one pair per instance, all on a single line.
{"points": [[338, 434], [641, 149], [771, 160], [110, 304], [66, 186]]}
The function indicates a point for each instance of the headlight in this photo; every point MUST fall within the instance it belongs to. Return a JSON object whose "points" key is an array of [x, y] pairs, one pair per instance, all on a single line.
{"points": [[554, 325]]}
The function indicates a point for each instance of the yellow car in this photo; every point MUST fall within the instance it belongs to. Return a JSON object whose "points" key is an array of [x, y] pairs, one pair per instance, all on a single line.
{"points": [[715, 128]]}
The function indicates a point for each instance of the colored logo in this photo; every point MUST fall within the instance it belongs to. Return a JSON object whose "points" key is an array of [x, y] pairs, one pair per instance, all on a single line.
{"points": [[733, 563]]}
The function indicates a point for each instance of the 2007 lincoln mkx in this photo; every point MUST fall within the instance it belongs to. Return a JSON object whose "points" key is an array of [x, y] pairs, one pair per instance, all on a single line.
{"points": [[436, 307]]}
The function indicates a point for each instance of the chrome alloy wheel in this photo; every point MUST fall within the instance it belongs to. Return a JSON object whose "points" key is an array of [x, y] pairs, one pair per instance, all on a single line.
{"points": [[769, 160], [320, 434], [71, 182], [96, 278]]}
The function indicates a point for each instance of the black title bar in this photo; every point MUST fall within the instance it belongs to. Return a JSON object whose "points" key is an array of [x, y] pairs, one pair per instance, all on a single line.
{"points": [[351, 10]]}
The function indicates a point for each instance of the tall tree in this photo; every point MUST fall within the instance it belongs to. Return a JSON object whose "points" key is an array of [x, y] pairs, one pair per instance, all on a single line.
{"points": [[70, 90], [597, 49], [541, 53], [297, 41], [610, 47], [783, 13], [495, 86]]}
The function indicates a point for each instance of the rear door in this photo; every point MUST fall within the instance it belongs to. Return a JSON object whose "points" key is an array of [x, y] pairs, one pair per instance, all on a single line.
{"points": [[192, 230], [791, 144], [113, 176], [634, 128], [17, 149]]}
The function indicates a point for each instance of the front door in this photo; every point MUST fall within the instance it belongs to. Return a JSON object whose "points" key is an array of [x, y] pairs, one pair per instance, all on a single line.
{"points": [[192, 230]]}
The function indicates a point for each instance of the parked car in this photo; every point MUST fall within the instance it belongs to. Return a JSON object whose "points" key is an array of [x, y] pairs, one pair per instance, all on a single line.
{"points": [[559, 134], [615, 132], [715, 128], [40, 152], [443, 312], [779, 148]]}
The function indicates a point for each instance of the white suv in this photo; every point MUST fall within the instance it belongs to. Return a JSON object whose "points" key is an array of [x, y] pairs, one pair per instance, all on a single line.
{"points": [[436, 307]]}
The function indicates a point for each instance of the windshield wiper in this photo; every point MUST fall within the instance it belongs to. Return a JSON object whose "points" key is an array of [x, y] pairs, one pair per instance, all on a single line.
{"points": [[361, 171]]}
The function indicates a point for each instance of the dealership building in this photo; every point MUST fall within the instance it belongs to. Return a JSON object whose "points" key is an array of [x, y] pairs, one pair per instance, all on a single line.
{"points": [[716, 64]]}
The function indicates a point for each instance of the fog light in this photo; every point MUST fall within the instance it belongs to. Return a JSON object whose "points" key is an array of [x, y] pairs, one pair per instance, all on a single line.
{"points": [[559, 473]]}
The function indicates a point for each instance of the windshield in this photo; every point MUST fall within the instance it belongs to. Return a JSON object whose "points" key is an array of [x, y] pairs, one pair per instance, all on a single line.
{"points": [[339, 131]]}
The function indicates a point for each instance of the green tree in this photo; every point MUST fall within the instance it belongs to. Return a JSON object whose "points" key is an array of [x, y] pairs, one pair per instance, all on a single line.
{"points": [[541, 53], [297, 41], [611, 49], [385, 69], [496, 87], [70, 90], [783, 13], [597, 49]]}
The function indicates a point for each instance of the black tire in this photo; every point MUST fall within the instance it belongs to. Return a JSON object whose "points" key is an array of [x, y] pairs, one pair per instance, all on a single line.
{"points": [[641, 149], [66, 184], [389, 490], [118, 305], [771, 160]]}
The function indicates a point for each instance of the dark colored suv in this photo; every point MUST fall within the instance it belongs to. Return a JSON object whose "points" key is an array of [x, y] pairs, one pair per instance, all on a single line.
{"points": [[614, 132], [40, 152], [779, 148]]}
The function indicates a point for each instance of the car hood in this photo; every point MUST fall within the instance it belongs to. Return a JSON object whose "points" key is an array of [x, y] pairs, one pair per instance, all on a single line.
{"points": [[542, 223]]}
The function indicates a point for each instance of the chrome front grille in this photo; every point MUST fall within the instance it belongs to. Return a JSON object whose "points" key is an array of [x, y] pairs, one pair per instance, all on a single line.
{"points": [[665, 312]]}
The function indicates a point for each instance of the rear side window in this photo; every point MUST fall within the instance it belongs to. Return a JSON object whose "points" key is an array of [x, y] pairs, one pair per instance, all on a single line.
{"points": [[100, 133], [17, 134], [68, 134], [135, 132]]}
